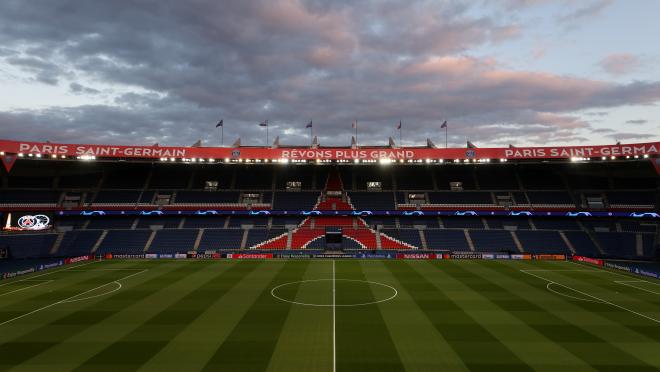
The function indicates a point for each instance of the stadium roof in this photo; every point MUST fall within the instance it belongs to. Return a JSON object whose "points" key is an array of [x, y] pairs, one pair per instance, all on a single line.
{"points": [[360, 153]]}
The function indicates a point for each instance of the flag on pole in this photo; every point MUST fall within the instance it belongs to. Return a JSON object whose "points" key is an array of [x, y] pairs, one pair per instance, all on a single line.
{"points": [[220, 123], [264, 123], [399, 126], [354, 125], [444, 125], [309, 125]]}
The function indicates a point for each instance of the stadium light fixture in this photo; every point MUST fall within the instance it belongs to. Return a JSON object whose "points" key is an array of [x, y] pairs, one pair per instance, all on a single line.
{"points": [[636, 156], [39, 155], [385, 161], [284, 161], [628, 157], [53, 156], [2, 153], [63, 157], [613, 158], [646, 156], [20, 155], [32, 155]]}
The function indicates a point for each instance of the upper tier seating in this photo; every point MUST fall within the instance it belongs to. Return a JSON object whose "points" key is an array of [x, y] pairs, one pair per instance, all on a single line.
{"points": [[461, 198], [561, 198], [294, 200], [413, 178], [372, 200], [117, 197], [25, 197], [197, 197]]}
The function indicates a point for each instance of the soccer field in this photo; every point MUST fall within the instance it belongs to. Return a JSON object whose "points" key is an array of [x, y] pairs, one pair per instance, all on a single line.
{"points": [[324, 315]]}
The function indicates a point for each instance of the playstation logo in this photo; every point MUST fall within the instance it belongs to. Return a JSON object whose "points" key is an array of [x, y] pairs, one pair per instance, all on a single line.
{"points": [[470, 154], [235, 153]]}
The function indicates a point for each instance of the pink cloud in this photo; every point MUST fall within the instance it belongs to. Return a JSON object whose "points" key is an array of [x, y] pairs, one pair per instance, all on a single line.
{"points": [[620, 64]]}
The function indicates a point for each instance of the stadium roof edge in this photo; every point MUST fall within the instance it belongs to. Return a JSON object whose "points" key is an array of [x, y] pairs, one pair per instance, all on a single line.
{"points": [[358, 153]]}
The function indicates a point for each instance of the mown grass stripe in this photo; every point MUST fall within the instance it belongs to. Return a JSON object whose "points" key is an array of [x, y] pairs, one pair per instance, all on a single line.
{"points": [[65, 284], [588, 315], [193, 346], [479, 349], [250, 345], [145, 341], [420, 346], [614, 315], [308, 329], [24, 347], [572, 338], [363, 340]]}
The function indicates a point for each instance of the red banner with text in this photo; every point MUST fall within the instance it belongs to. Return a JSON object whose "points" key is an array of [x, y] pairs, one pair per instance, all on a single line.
{"points": [[363, 153]]}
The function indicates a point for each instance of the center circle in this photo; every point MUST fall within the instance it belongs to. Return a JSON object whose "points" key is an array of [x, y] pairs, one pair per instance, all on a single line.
{"points": [[342, 288]]}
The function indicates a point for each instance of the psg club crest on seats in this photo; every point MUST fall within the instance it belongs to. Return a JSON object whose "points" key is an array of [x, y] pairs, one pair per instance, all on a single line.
{"points": [[470, 154], [235, 153]]}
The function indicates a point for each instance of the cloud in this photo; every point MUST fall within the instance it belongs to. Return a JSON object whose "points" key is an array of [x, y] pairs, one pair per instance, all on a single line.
{"points": [[620, 64], [170, 75], [637, 121], [630, 136], [592, 9], [81, 89]]}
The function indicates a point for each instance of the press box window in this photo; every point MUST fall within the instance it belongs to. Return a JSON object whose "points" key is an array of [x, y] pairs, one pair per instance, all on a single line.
{"points": [[211, 186], [293, 186], [374, 186], [251, 198]]}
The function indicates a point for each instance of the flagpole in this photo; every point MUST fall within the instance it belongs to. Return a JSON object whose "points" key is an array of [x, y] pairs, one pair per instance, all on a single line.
{"points": [[446, 136], [222, 135], [400, 130], [267, 139], [357, 143]]}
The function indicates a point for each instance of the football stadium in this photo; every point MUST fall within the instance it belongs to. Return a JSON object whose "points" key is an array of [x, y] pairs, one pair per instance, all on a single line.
{"points": [[354, 258], [329, 185]]}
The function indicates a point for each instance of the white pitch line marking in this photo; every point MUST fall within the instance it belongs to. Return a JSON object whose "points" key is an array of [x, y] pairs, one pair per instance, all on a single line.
{"points": [[28, 287], [594, 297], [68, 299], [334, 322], [549, 287], [626, 283]]}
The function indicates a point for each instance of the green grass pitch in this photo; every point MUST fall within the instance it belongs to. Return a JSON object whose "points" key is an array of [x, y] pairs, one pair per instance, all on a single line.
{"points": [[324, 315]]}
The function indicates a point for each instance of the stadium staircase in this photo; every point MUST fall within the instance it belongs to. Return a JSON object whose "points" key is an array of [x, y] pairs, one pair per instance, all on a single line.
{"points": [[313, 227]]}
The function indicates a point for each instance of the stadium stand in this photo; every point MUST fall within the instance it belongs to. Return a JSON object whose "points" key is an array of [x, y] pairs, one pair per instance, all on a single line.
{"points": [[156, 187]]}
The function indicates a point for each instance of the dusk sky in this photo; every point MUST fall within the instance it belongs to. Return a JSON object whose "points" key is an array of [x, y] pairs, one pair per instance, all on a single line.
{"points": [[526, 72]]}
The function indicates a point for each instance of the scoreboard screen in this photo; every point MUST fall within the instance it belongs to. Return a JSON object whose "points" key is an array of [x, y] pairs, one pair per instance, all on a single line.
{"points": [[26, 221]]}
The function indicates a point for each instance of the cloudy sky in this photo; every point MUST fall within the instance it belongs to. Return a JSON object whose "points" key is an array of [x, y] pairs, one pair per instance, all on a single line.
{"points": [[527, 72]]}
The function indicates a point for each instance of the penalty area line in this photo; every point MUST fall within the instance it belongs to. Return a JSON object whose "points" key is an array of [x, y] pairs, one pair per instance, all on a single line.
{"points": [[28, 287], [627, 284], [594, 297], [72, 298]]}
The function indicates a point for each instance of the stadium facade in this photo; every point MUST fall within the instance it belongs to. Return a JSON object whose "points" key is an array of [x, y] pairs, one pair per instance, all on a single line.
{"points": [[66, 200]]}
